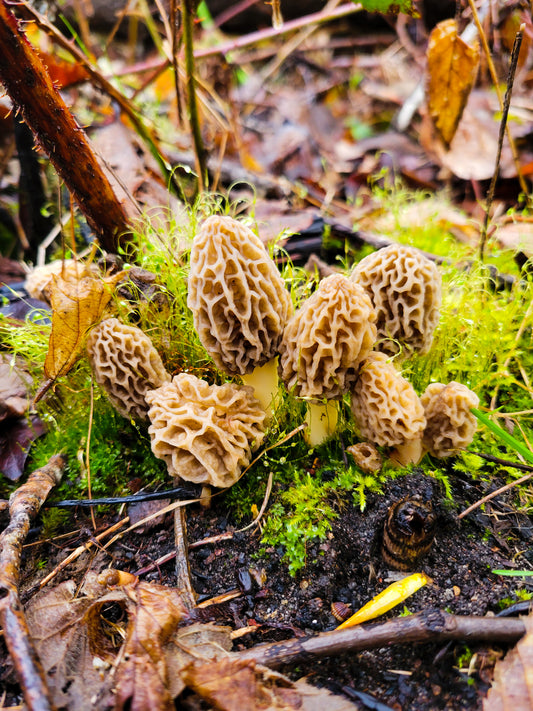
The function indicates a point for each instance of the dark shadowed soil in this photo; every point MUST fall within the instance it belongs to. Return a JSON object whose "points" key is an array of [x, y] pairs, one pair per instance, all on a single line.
{"points": [[347, 568]]}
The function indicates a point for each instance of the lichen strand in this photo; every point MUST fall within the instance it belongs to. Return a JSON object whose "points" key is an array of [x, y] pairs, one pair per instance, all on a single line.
{"points": [[125, 365], [238, 299], [450, 423], [385, 405], [405, 289], [327, 338], [204, 433]]}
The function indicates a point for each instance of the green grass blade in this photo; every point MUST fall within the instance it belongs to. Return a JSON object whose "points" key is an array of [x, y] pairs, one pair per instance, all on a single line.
{"points": [[504, 436]]}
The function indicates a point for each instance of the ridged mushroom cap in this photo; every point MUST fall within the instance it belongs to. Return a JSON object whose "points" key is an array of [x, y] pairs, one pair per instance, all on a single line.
{"points": [[385, 405], [125, 365], [450, 423], [327, 338], [238, 299], [405, 289], [204, 433]]}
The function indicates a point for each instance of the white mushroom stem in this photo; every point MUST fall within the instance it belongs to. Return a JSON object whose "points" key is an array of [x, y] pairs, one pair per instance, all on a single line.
{"points": [[321, 419], [410, 452], [264, 381]]}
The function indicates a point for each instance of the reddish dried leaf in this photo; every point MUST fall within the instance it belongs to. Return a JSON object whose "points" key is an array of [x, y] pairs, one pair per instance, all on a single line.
{"points": [[512, 688], [452, 69], [15, 439]]}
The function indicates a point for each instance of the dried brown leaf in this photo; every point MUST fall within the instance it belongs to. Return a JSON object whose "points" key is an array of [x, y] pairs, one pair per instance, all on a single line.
{"points": [[512, 688], [234, 684], [452, 69]]}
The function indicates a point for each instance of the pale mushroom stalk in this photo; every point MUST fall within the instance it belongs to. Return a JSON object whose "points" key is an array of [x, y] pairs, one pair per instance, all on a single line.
{"points": [[409, 452], [239, 303], [265, 383], [321, 419], [322, 347]]}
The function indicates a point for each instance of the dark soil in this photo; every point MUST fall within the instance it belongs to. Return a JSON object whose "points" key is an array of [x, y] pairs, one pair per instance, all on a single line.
{"points": [[347, 567]]}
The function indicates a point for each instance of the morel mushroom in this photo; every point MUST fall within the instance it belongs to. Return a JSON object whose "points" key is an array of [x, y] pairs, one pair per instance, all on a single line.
{"points": [[239, 302], [323, 345], [388, 410], [405, 289], [204, 433], [126, 365], [450, 423]]}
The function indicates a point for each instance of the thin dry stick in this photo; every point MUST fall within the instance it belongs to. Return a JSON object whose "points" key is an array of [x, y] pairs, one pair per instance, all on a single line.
{"points": [[24, 504], [187, 15], [88, 451], [503, 125], [183, 571], [427, 626], [174, 47], [494, 77], [271, 32], [501, 490], [81, 549]]}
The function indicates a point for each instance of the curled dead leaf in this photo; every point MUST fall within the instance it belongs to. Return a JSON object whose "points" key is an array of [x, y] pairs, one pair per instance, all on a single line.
{"points": [[452, 70]]}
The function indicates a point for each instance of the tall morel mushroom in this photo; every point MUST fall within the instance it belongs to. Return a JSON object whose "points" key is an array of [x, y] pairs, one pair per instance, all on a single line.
{"points": [[204, 433], [405, 288], [239, 302], [450, 423], [388, 410], [323, 345], [126, 365]]}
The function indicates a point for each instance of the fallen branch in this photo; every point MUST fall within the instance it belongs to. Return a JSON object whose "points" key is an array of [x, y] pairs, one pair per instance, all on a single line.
{"points": [[29, 85], [428, 626], [24, 505]]}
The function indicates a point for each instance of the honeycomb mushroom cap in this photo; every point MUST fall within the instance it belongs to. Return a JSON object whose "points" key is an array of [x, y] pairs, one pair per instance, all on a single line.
{"points": [[405, 288], [125, 365], [327, 338], [238, 299], [385, 405], [204, 433], [450, 423]]}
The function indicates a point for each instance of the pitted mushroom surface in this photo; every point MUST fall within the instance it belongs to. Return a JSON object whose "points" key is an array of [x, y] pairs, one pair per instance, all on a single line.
{"points": [[238, 299], [385, 405], [204, 433], [327, 338], [126, 365], [450, 423], [405, 289]]}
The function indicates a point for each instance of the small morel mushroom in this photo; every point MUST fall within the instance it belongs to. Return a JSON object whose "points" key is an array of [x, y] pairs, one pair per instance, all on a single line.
{"points": [[388, 410], [405, 288], [126, 365], [204, 433], [366, 457], [239, 302], [39, 279], [323, 345], [450, 423]]}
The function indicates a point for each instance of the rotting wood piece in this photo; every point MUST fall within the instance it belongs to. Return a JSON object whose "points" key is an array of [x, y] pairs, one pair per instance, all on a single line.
{"points": [[31, 89], [24, 504], [427, 626]]}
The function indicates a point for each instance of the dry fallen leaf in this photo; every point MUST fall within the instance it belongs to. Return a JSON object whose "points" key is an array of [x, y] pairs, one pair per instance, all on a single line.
{"points": [[452, 69], [512, 688], [77, 303]]}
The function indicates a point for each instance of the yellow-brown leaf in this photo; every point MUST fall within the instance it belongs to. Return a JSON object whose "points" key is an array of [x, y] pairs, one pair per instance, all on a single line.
{"points": [[452, 69], [76, 305]]}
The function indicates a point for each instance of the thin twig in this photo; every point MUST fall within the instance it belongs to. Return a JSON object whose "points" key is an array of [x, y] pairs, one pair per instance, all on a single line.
{"points": [[427, 626], [501, 490], [183, 570], [503, 125], [24, 505], [187, 16], [496, 83]]}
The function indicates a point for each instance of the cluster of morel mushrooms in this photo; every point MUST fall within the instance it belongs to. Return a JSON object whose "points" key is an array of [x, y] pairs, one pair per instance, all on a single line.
{"points": [[341, 340]]}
